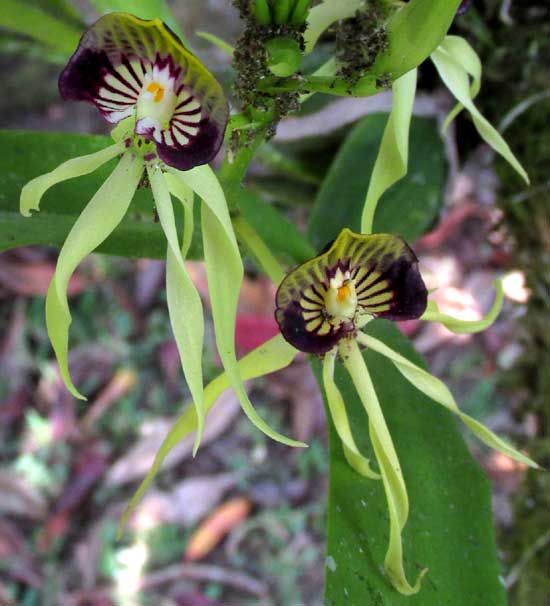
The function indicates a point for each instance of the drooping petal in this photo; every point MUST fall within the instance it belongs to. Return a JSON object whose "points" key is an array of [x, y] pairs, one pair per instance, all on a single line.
{"points": [[341, 422], [186, 196], [184, 302], [459, 47], [432, 314], [438, 391], [100, 217], [390, 468], [455, 77], [269, 357], [387, 283], [224, 270], [32, 192], [393, 155], [127, 66]]}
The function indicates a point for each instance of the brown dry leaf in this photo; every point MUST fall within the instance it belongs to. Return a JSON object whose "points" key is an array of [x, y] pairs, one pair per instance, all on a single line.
{"points": [[33, 279], [19, 498], [226, 517], [186, 504], [122, 383], [135, 464]]}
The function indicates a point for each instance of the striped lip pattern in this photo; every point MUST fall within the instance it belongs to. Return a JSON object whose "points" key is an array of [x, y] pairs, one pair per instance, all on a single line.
{"points": [[128, 67], [359, 277]]}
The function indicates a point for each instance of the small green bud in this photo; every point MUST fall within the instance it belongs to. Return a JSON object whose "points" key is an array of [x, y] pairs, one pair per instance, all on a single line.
{"points": [[281, 11], [260, 8], [300, 12], [283, 56]]}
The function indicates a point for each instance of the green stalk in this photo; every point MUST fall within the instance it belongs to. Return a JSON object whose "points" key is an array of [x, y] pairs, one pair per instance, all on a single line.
{"points": [[259, 250]]}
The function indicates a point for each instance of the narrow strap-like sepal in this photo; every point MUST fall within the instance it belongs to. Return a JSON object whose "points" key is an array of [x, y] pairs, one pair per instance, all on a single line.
{"points": [[390, 468], [184, 302], [100, 217], [224, 270], [393, 155], [32, 192], [438, 391], [455, 76], [269, 357], [458, 326], [340, 419]]}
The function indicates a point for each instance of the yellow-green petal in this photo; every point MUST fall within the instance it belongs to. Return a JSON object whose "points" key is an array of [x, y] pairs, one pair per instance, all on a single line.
{"points": [[390, 468], [269, 357], [459, 47], [432, 314], [455, 77], [184, 302], [100, 217], [32, 192], [224, 270], [341, 422], [393, 156], [186, 196], [439, 392]]}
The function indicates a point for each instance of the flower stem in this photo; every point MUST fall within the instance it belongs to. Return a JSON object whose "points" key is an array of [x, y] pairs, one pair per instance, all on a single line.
{"points": [[258, 249]]}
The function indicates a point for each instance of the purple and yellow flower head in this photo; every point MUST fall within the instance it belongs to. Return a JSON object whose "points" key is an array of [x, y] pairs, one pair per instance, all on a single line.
{"points": [[130, 68], [170, 115], [358, 278], [322, 308]]}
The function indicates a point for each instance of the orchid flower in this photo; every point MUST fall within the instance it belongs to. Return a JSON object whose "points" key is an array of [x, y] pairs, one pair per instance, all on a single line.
{"points": [[170, 115], [322, 307]]}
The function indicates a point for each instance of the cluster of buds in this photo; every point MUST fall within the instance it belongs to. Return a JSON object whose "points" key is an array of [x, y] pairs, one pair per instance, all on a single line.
{"points": [[279, 12]]}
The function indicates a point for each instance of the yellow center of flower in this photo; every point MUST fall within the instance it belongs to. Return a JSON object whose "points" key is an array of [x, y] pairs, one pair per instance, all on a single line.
{"points": [[340, 298], [157, 90]]}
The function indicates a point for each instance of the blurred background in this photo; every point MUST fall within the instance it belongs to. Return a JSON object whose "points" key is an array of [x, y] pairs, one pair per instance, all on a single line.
{"points": [[243, 523]]}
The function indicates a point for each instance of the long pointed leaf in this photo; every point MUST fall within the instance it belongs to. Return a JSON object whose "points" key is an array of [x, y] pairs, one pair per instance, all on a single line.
{"points": [[100, 217]]}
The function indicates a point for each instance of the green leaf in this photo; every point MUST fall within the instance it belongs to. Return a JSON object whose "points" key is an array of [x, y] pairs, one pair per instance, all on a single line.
{"points": [[224, 270], [455, 77], [184, 302], [269, 357], [26, 155], [449, 528], [393, 155], [100, 217], [144, 9], [37, 24], [408, 208]]}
